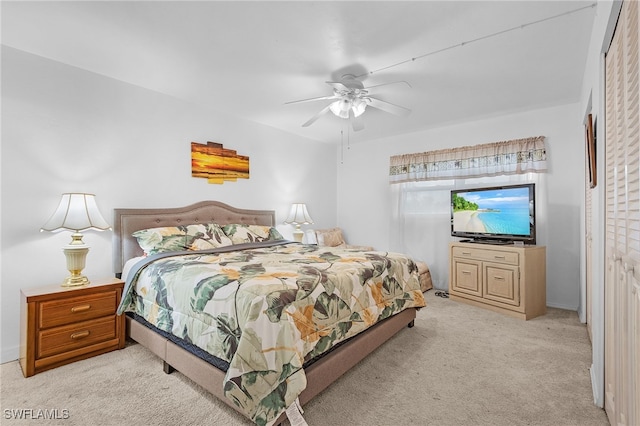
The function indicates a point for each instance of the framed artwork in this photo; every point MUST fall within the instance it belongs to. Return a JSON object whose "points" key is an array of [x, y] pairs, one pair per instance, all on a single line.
{"points": [[591, 151], [218, 164]]}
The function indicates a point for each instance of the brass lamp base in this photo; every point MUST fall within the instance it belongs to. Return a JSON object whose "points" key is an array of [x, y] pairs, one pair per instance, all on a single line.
{"points": [[76, 253], [75, 280]]}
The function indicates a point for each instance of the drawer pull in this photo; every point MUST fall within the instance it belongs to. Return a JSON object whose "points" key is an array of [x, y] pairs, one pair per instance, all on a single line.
{"points": [[497, 278], [81, 308], [466, 253], [80, 335], [466, 272], [499, 257]]}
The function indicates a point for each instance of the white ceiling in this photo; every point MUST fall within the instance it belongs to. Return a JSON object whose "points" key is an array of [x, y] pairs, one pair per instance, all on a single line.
{"points": [[250, 58]]}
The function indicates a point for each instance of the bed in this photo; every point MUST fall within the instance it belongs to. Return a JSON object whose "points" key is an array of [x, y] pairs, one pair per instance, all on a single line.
{"points": [[268, 327]]}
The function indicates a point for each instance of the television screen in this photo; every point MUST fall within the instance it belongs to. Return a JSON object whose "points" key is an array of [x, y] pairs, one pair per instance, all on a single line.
{"points": [[504, 213]]}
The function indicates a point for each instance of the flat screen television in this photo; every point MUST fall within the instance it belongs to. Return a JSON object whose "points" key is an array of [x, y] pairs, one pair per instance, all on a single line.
{"points": [[495, 215]]}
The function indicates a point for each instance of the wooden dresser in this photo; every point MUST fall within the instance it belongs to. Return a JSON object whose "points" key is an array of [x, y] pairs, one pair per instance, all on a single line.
{"points": [[504, 278], [60, 325]]}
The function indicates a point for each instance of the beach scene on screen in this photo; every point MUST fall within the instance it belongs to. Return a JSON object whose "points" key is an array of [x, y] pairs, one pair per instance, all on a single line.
{"points": [[500, 211]]}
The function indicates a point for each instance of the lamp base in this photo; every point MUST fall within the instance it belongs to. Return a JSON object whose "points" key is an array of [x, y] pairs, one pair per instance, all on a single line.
{"points": [[76, 254], [297, 235], [75, 281]]}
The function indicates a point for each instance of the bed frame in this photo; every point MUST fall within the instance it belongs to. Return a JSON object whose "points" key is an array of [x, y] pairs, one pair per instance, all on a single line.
{"points": [[320, 374]]}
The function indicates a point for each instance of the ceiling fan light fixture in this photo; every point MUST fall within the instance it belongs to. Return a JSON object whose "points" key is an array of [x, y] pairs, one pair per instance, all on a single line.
{"points": [[358, 107], [341, 108], [350, 99]]}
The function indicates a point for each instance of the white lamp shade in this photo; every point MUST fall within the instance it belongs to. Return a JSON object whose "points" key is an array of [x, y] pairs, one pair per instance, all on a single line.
{"points": [[341, 108], [358, 107], [299, 215], [76, 212]]}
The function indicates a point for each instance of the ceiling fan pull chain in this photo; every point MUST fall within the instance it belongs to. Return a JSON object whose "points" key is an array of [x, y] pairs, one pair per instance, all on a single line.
{"points": [[341, 147]]}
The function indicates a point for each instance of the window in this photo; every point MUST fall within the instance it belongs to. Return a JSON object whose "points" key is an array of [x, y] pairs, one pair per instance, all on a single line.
{"points": [[421, 217]]}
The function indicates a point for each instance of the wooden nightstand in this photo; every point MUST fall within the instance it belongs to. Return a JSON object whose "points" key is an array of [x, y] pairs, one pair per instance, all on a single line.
{"points": [[60, 325]]}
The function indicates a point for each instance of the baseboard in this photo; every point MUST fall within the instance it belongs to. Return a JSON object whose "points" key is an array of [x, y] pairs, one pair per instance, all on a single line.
{"points": [[560, 306], [597, 398], [10, 354]]}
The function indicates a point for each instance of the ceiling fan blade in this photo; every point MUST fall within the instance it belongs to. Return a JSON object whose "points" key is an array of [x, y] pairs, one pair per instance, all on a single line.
{"points": [[388, 107], [313, 119], [357, 123], [320, 98], [386, 84]]}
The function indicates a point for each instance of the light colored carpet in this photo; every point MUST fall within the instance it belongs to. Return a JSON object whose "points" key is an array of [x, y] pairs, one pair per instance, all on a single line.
{"points": [[460, 365]]}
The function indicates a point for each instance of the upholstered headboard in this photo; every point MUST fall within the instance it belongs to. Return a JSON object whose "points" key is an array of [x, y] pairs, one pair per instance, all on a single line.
{"points": [[127, 221]]}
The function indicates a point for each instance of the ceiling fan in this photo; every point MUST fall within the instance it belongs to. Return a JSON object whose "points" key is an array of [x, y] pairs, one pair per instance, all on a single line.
{"points": [[350, 99]]}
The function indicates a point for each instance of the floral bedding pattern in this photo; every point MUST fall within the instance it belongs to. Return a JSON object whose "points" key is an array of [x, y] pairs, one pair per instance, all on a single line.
{"points": [[187, 237], [268, 309], [201, 236]]}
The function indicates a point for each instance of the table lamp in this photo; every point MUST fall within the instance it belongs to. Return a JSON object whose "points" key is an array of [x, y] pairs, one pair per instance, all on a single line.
{"points": [[77, 212], [298, 215]]}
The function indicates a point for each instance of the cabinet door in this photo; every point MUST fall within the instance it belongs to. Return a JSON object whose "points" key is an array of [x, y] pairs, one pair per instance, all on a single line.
{"points": [[501, 283], [467, 276]]}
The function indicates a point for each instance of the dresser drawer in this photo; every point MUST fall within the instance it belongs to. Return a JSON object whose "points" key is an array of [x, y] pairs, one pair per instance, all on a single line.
{"points": [[69, 337], [484, 254], [75, 309]]}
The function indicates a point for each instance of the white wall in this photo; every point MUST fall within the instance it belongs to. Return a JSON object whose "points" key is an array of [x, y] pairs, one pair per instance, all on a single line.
{"points": [[68, 130], [363, 184]]}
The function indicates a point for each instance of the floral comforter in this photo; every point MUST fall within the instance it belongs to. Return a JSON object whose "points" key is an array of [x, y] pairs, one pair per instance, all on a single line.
{"points": [[268, 308]]}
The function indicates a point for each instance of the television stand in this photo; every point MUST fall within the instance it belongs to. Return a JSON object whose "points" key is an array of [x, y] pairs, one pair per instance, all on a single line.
{"points": [[503, 278]]}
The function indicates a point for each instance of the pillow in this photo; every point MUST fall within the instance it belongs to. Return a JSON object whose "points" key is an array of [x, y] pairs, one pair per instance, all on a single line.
{"points": [[330, 237], [160, 240], [251, 233], [179, 238], [205, 236]]}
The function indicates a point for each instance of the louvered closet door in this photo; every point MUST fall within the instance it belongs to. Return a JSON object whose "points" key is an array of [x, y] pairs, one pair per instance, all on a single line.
{"points": [[622, 280]]}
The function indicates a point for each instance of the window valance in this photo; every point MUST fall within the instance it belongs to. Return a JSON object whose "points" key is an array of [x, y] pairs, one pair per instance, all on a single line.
{"points": [[499, 158]]}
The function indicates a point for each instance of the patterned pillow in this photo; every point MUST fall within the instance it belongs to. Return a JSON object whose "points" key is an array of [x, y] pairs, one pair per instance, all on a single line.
{"points": [[180, 238], [205, 236], [330, 237], [251, 233], [160, 240]]}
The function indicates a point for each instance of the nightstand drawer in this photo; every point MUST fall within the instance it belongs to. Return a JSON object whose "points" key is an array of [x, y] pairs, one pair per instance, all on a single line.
{"points": [[74, 336], [76, 309]]}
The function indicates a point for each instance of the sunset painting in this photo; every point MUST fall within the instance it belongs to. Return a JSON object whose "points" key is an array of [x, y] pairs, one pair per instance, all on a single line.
{"points": [[217, 164]]}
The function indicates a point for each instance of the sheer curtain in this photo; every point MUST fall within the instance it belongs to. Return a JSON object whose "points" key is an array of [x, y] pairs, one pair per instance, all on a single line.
{"points": [[421, 217]]}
